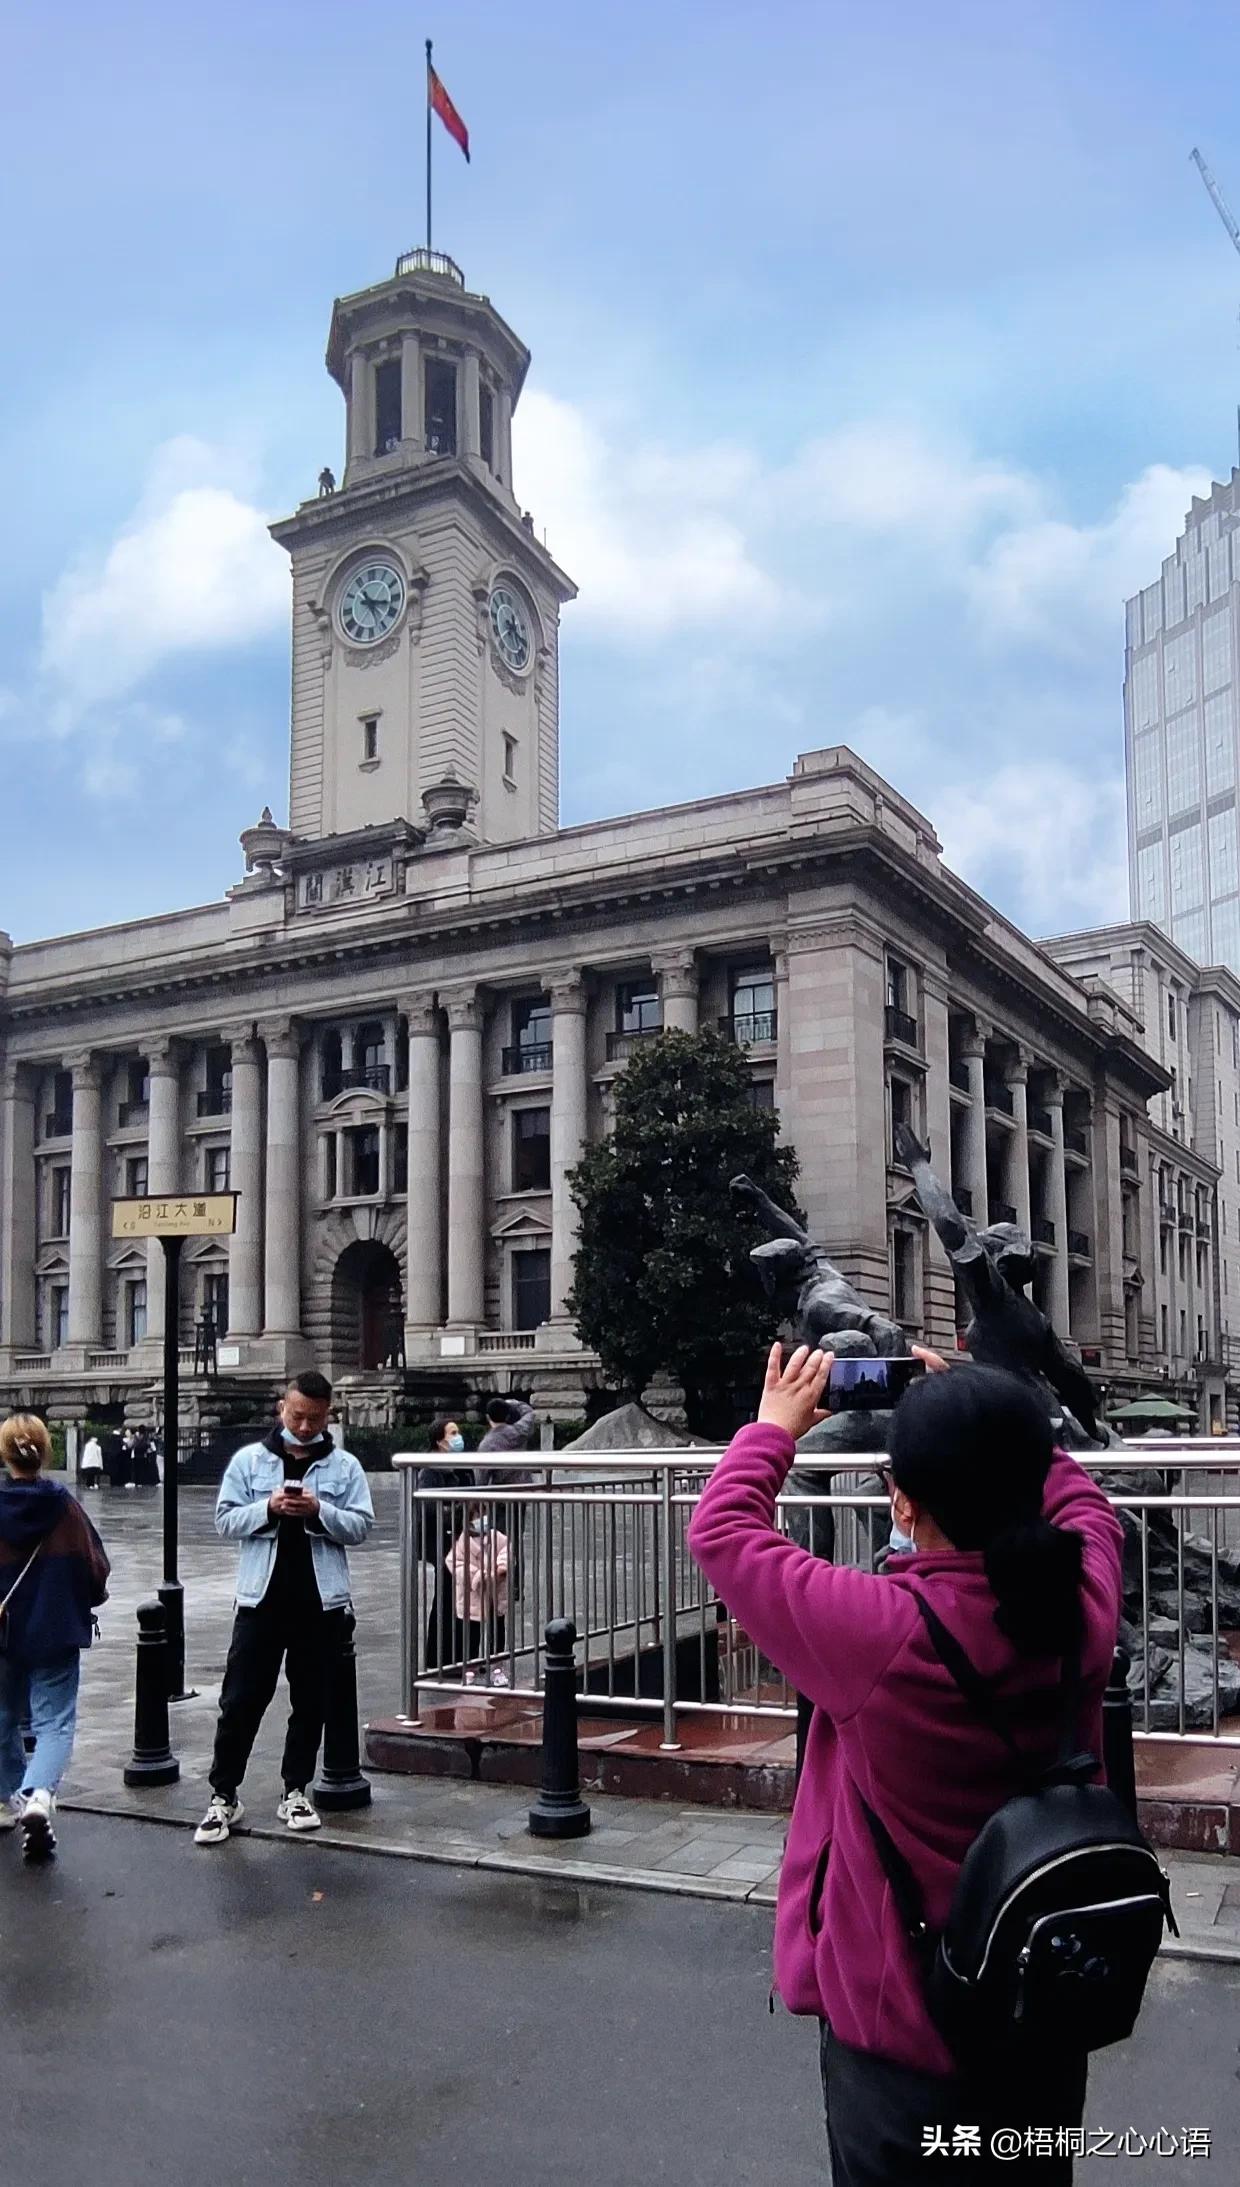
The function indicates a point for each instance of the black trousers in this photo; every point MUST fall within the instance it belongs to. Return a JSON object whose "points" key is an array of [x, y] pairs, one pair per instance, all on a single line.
{"points": [[880, 2116], [302, 1636]]}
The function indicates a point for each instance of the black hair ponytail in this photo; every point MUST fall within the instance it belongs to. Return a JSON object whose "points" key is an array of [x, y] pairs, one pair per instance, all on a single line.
{"points": [[1034, 1570]]}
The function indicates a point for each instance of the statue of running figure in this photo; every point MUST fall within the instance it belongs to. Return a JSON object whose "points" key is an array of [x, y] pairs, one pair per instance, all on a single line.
{"points": [[995, 1266], [808, 1287]]}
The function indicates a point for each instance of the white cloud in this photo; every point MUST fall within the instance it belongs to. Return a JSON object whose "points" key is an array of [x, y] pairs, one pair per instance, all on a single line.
{"points": [[1060, 586], [192, 569], [889, 477], [1043, 835], [656, 539]]}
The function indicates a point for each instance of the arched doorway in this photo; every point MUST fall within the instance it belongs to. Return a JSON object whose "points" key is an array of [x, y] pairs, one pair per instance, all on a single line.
{"points": [[367, 1306]]}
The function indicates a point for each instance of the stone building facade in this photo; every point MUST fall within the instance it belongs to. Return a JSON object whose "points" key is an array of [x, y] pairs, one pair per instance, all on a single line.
{"points": [[395, 1034]]}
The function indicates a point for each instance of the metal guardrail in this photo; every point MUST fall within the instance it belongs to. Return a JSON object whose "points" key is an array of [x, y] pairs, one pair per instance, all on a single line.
{"points": [[602, 1540]]}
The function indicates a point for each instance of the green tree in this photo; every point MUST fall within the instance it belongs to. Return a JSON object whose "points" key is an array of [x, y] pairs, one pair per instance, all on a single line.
{"points": [[661, 1276]]}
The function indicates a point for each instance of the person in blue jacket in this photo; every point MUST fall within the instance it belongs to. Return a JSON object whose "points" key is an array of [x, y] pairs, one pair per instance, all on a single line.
{"points": [[53, 1576], [296, 1504]]}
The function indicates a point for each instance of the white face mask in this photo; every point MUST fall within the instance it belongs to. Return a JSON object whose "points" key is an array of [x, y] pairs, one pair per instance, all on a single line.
{"points": [[901, 1544]]}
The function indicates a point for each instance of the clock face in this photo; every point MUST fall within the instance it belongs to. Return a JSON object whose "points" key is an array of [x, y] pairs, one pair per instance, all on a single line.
{"points": [[371, 602], [510, 628]]}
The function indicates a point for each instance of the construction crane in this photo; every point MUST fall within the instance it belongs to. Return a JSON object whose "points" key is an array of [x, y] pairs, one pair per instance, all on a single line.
{"points": [[1221, 207]]}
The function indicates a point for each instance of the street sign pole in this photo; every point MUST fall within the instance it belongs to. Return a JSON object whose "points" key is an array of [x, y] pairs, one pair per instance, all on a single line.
{"points": [[172, 1217], [171, 1593]]}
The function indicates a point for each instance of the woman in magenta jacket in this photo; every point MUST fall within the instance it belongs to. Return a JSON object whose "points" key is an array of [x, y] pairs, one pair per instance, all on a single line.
{"points": [[1013, 1545]]}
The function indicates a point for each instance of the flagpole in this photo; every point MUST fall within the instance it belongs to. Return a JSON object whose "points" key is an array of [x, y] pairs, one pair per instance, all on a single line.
{"points": [[428, 145]]}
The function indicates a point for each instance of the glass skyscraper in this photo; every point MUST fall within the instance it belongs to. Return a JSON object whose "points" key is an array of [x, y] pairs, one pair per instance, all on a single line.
{"points": [[1181, 736]]}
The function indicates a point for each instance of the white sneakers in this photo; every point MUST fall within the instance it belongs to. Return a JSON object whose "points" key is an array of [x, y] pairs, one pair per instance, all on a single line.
{"points": [[296, 1811], [299, 1812], [35, 1821], [221, 1818], [10, 1813]]}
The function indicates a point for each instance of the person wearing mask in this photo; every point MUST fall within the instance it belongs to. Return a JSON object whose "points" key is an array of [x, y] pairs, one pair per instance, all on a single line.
{"points": [[1020, 1556], [53, 1576], [436, 1527], [296, 1504]]}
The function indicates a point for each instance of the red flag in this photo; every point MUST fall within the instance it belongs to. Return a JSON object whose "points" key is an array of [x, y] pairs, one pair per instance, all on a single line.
{"points": [[447, 113]]}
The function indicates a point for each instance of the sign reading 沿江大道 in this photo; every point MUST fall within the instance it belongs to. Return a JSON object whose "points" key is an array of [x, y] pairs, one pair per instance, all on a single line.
{"points": [[176, 1215]]}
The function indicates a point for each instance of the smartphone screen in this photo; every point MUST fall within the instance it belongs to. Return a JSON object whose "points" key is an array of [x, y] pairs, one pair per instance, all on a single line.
{"points": [[869, 1385]]}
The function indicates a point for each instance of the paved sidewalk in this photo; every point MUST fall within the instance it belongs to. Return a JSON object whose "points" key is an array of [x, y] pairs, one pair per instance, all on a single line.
{"points": [[704, 1852]]}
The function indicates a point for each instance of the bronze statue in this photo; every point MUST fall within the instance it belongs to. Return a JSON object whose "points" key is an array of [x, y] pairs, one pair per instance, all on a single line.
{"points": [[807, 1287], [995, 1267]]}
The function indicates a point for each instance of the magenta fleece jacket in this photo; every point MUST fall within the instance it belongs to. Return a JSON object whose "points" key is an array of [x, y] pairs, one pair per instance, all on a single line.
{"points": [[890, 1728]]}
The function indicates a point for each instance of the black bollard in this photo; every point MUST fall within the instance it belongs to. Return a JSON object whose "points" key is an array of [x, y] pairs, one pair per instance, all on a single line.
{"points": [[340, 1782], [153, 1761], [559, 1811], [1117, 1754]]}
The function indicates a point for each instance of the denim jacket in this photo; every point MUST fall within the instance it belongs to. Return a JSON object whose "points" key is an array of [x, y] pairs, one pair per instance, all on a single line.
{"points": [[345, 1516]]}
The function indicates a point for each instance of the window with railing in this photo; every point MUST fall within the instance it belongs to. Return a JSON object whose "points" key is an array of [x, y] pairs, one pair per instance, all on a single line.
{"points": [[58, 1120], [215, 1098], [530, 1049], [387, 406], [136, 1093], [751, 1020]]}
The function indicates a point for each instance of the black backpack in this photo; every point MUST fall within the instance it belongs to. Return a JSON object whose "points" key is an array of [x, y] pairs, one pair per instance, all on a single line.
{"points": [[1059, 1906]]}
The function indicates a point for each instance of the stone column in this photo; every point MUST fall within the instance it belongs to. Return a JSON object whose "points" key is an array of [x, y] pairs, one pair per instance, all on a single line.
{"points": [[282, 1257], [466, 1209], [245, 1251], [1108, 1241], [678, 990], [973, 1049], [1057, 1207], [568, 1127], [1018, 1153], [410, 387], [17, 1209], [939, 1287], [163, 1163], [470, 394], [360, 439], [503, 437], [783, 1031], [423, 1244], [85, 1205]]}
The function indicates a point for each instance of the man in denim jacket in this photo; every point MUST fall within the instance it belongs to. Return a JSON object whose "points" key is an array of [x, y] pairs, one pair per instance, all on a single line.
{"points": [[294, 1502]]}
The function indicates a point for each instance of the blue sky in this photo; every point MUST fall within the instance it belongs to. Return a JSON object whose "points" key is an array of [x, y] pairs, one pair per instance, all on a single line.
{"points": [[876, 356]]}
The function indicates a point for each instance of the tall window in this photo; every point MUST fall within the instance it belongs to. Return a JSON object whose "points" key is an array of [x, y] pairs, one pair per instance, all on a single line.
{"points": [[1171, 1014], [215, 1299], [760, 1093], [136, 1173], [440, 407], [510, 758], [370, 737], [60, 1116], [531, 1150], [486, 427], [363, 1146], [135, 1310], [59, 1315], [904, 1275], [400, 1159], [218, 1169], [387, 406], [638, 1007], [897, 985], [368, 1047], [901, 1108], [61, 1189], [1166, 1334], [531, 1288]]}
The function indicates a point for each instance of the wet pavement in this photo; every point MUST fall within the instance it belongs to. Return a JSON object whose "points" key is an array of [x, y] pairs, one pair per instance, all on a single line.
{"points": [[292, 2016]]}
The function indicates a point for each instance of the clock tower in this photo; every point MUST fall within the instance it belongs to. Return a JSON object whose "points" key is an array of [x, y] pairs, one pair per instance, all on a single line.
{"points": [[425, 611]]}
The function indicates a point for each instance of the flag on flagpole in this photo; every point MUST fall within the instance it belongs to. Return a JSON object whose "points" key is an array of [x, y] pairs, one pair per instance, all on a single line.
{"points": [[442, 105]]}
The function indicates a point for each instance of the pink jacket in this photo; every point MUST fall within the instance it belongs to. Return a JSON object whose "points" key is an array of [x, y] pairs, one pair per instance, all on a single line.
{"points": [[479, 1567], [889, 1727]]}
